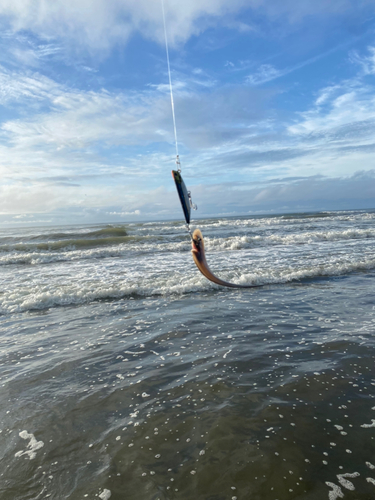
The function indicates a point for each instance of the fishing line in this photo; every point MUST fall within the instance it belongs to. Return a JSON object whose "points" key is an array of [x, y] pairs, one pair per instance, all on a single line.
{"points": [[170, 88], [184, 195]]}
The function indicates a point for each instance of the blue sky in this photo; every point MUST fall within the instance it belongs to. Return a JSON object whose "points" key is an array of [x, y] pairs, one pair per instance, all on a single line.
{"points": [[275, 108]]}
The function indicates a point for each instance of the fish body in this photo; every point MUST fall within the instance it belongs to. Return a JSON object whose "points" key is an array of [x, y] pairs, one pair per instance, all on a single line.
{"points": [[199, 257]]}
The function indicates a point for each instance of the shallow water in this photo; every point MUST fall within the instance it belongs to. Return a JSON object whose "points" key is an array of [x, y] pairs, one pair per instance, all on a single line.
{"points": [[130, 376]]}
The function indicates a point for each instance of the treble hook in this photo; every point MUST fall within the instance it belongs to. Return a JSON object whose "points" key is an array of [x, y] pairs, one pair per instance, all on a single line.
{"points": [[193, 205]]}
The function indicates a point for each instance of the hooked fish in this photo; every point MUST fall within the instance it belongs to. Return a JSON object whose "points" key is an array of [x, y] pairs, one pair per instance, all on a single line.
{"points": [[201, 263]]}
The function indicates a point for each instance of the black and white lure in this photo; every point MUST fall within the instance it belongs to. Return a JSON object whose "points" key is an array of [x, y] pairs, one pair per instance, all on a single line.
{"points": [[184, 195]]}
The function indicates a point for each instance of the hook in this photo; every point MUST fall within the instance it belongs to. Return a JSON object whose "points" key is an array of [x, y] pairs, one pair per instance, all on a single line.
{"points": [[193, 205]]}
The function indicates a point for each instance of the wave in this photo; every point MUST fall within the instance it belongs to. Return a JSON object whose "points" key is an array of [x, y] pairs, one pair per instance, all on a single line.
{"points": [[176, 283], [108, 231], [143, 245], [287, 275], [73, 250], [317, 215], [248, 241], [68, 244], [48, 237]]}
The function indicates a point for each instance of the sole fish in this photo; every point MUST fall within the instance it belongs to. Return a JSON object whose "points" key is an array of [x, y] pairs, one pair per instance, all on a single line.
{"points": [[201, 263]]}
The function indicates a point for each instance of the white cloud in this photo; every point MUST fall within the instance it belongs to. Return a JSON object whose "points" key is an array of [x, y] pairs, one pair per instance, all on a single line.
{"points": [[265, 73], [348, 114], [282, 195], [343, 113], [125, 214], [17, 87], [101, 24], [64, 127], [326, 93], [67, 131], [367, 62], [310, 193]]}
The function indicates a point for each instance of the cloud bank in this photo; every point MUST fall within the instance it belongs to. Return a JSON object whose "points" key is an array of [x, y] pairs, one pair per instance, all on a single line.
{"points": [[100, 24]]}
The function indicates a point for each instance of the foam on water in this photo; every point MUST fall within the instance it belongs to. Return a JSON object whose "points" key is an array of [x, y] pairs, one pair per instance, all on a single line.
{"points": [[32, 447], [24, 296], [239, 242], [105, 494], [336, 491], [368, 426]]}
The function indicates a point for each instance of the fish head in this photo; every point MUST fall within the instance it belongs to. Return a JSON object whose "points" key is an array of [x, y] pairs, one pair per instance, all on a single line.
{"points": [[197, 244]]}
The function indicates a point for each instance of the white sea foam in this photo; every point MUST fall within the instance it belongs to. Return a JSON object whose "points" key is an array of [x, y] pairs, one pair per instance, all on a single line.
{"points": [[105, 494], [342, 478], [249, 241], [80, 288], [368, 426], [336, 491], [32, 447]]}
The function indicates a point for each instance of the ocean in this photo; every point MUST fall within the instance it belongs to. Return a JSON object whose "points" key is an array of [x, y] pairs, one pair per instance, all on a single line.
{"points": [[125, 374]]}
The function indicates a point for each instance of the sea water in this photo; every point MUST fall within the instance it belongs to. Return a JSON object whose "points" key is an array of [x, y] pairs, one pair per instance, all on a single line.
{"points": [[125, 374]]}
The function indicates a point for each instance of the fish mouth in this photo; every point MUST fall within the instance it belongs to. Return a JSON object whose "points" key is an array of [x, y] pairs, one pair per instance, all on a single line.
{"points": [[194, 247]]}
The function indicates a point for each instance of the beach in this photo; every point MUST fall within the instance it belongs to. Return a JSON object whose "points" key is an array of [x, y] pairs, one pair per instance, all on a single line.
{"points": [[125, 374]]}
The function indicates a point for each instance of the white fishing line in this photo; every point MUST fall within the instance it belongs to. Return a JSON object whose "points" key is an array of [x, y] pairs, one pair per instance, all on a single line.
{"points": [[170, 80]]}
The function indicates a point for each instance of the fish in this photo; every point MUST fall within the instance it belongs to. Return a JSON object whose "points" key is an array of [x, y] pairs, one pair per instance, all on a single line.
{"points": [[199, 257]]}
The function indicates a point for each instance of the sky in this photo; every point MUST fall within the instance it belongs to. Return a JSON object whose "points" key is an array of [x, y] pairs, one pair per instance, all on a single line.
{"points": [[274, 104]]}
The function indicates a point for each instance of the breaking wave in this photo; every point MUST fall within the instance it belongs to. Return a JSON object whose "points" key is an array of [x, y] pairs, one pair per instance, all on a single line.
{"points": [[52, 267], [248, 241], [25, 298], [86, 248]]}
